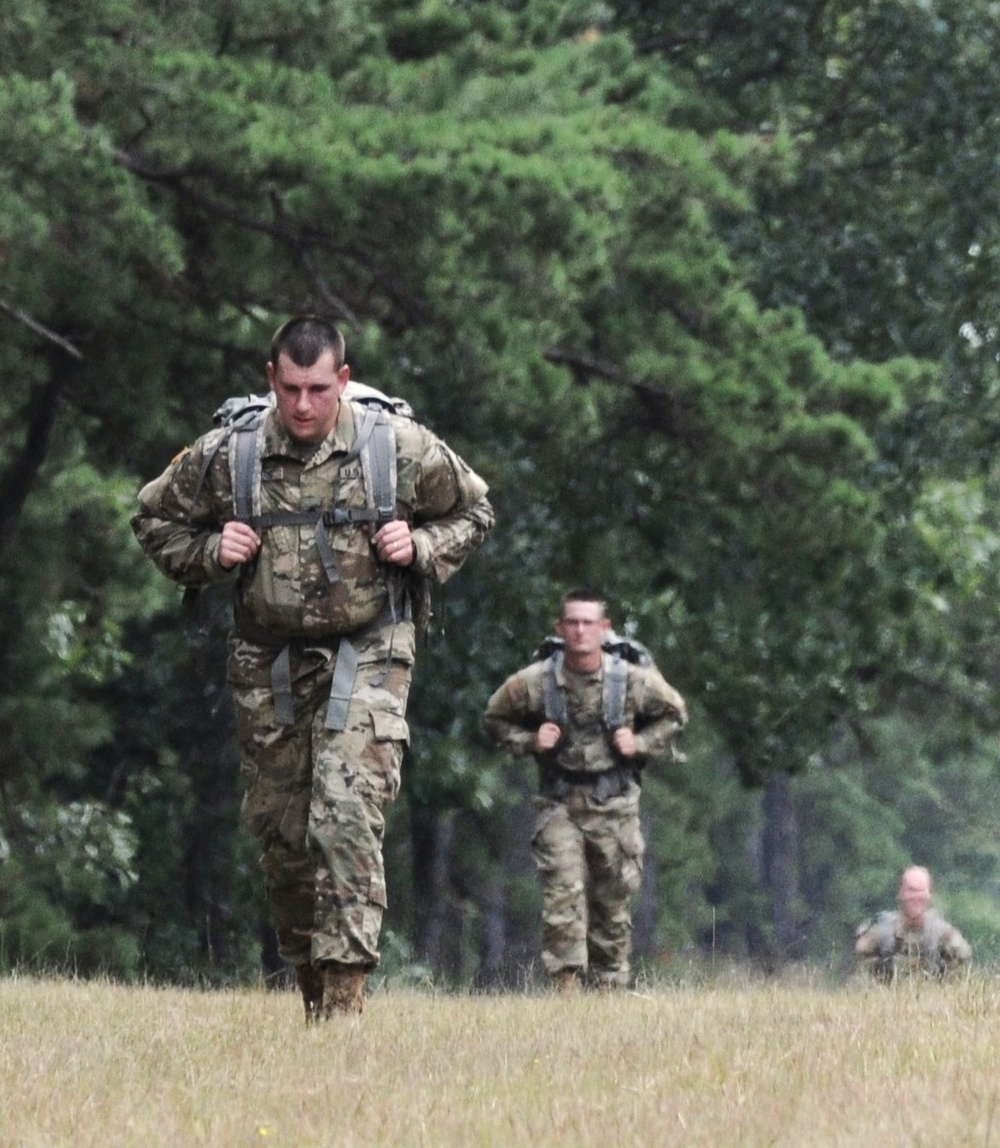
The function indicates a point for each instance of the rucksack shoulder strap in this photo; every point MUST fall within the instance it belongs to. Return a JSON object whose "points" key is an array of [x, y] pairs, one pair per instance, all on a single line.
{"points": [[614, 685], [376, 445], [553, 697], [246, 448], [934, 927], [885, 932], [614, 689]]}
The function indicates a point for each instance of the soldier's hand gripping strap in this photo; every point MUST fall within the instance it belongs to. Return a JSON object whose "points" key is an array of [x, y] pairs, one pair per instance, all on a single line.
{"points": [[378, 462]]}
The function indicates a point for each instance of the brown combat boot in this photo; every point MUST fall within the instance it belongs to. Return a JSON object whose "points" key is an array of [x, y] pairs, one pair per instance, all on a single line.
{"points": [[310, 982], [566, 981], [343, 989]]}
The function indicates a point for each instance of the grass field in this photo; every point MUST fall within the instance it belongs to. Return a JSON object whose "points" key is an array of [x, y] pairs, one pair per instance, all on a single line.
{"points": [[94, 1064]]}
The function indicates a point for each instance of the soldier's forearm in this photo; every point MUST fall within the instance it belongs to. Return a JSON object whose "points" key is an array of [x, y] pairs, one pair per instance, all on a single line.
{"points": [[510, 735], [441, 546], [654, 739], [187, 556]]}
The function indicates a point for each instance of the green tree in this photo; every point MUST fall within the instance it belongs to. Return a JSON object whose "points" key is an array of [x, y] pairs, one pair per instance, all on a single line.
{"points": [[554, 245]]}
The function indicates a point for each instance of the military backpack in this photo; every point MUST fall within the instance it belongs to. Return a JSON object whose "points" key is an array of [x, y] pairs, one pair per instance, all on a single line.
{"points": [[617, 653], [375, 446]]}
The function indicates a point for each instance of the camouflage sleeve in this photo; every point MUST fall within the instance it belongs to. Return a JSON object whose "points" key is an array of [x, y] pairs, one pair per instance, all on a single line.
{"points": [[449, 510], [866, 941], [955, 949], [510, 719], [660, 713], [181, 514]]}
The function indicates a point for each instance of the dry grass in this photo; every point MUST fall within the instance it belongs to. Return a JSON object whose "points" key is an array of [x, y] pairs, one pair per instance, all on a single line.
{"points": [[726, 1064]]}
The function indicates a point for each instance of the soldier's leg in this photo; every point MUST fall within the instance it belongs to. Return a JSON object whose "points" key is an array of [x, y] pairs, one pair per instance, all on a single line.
{"points": [[614, 849], [356, 773], [276, 772], [557, 848]]}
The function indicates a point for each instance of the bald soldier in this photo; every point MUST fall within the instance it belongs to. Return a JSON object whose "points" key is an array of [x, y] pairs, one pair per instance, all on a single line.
{"points": [[913, 939]]}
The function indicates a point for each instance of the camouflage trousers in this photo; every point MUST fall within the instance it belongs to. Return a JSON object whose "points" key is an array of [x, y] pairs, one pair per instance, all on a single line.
{"points": [[314, 799], [589, 857]]}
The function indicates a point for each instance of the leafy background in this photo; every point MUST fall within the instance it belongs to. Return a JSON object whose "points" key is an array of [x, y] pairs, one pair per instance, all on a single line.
{"points": [[705, 291]]}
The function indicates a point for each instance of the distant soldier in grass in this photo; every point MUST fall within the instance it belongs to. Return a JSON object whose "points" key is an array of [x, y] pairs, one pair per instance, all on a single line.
{"points": [[592, 712], [913, 939], [327, 517]]}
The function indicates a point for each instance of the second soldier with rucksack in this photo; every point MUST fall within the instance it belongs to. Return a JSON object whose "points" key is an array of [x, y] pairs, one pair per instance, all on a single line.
{"points": [[593, 710]]}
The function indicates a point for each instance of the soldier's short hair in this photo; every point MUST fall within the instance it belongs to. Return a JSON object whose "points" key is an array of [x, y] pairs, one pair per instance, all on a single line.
{"points": [[582, 594], [304, 338]]}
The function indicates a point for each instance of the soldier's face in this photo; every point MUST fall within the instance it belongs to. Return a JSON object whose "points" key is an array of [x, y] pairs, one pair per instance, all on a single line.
{"points": [[582, 627], [308, 398], [914, 895]]}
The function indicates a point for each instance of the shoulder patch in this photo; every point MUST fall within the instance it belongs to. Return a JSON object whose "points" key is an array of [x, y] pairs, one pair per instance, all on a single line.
{"points": [[179, 455]]}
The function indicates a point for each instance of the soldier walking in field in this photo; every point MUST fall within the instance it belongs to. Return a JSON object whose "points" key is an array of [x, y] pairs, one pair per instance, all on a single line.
{"points": [[592, 712], [913, 939], [328, 516]]}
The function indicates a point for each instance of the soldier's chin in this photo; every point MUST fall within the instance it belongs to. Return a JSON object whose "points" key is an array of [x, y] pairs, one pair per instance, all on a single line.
{"points": [[308, 433]]}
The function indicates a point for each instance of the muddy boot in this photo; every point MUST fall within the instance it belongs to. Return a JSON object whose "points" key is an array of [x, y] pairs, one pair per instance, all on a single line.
{"points": [[343, 989], [310, 982], [566, 981]]}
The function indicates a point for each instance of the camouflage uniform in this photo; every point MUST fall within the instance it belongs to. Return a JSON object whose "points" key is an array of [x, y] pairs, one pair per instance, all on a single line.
{"points": [[892, 948], [314, 796], [588, 844]]}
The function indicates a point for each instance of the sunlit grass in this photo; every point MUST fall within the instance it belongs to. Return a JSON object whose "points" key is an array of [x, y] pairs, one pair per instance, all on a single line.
{"points": [[735, 1064]]}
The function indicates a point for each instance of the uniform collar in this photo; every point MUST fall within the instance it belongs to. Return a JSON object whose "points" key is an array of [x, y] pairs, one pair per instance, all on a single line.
{"points": [[581, 675], [277, 441]]}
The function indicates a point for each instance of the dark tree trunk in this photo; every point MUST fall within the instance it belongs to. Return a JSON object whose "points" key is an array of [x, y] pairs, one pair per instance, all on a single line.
{"points": [[493, 935], [431, 833], [16, 481], [644, 910], [781, 866]]}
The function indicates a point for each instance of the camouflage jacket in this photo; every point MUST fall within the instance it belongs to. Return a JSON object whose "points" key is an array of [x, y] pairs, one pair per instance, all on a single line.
{"points": [[286, 591], [891, 947], [653, 709]]}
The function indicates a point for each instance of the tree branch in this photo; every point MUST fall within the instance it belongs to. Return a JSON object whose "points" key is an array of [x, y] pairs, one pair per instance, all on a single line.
{"points": [[40, 329], [661, 404]]}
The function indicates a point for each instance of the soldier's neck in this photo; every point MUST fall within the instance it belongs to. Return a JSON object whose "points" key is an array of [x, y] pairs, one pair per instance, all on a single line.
{"points": [[582, 663]]}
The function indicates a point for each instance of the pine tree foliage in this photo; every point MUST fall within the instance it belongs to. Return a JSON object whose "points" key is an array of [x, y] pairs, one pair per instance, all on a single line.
{"points": [[683, 282]]}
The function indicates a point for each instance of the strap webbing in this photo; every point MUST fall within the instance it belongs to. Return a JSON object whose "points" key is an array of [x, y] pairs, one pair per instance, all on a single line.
{"points": [[342, 685], [245, 459], [326, 554], [553, 698], [615, 683], [381, 460], [281, 687], [613, 691], [336, 516]]}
